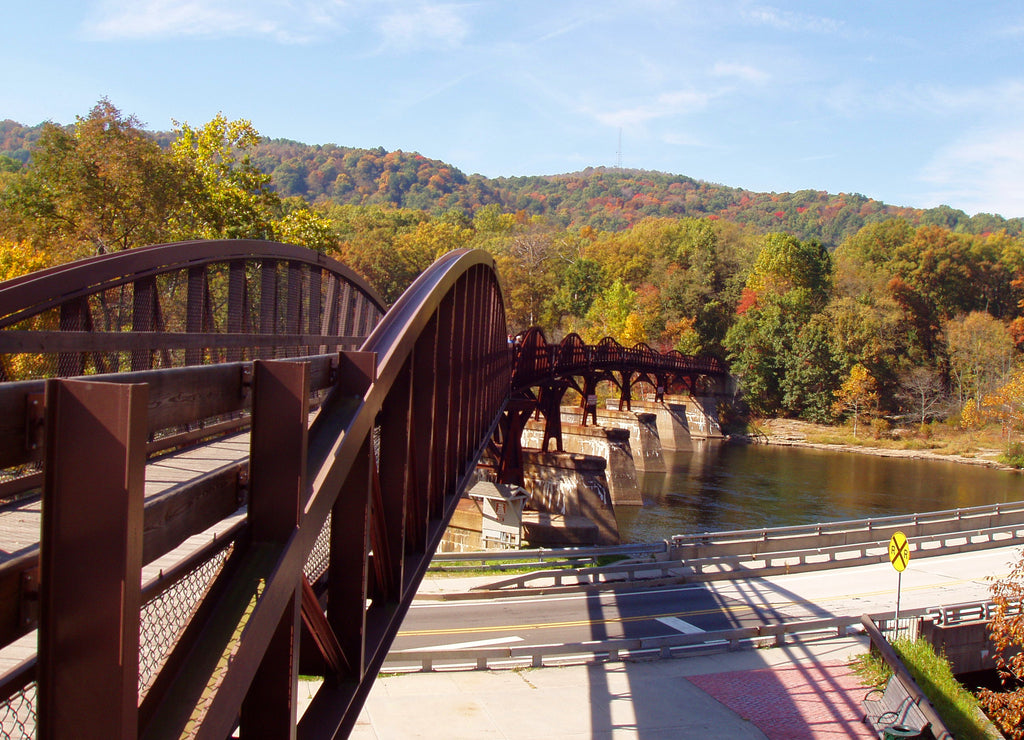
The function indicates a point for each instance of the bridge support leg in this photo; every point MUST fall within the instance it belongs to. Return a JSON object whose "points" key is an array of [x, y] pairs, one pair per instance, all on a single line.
{"points": [[277, 487], [91, 557]]}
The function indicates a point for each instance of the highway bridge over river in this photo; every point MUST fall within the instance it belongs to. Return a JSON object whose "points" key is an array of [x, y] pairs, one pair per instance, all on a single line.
{"points": [[245, 466]]}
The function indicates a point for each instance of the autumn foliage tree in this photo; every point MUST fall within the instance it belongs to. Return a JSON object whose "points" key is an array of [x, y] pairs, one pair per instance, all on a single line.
{"points": [[857, 396], [102, 186], [1006, 629]]}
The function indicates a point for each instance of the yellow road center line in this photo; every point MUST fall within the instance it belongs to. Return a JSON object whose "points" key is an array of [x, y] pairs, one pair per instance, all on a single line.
{"points": [[738, 608]]}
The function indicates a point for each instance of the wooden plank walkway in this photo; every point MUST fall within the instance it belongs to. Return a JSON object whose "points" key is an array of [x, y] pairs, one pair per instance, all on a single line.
{"points": [[20, 522]]}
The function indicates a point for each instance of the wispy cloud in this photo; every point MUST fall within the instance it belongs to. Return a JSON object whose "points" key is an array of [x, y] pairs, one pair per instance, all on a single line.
{"points": [[425, 26], [665, 105], [935, 99], [401, 24], [982, 172], [284, 21], [743, 72], [787, 20]]}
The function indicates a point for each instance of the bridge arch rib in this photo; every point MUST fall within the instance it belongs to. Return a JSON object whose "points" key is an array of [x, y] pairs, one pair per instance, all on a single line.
{"points": [[186, 303], [393, 446]]}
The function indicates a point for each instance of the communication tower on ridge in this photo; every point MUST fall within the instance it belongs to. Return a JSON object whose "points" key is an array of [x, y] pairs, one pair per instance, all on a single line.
{"points": [[618, 153]]}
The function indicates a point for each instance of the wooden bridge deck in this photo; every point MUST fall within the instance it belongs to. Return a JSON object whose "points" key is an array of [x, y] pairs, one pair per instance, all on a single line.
{"points": [[21, 521]]}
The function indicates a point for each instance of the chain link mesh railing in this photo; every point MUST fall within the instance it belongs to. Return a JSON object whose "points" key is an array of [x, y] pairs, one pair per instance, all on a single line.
{"points": [[165, 616], [320, 556], [18, 714]]}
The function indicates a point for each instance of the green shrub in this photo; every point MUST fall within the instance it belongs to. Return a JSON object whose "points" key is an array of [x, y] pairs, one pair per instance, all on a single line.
{"points": [[1013, 455]]}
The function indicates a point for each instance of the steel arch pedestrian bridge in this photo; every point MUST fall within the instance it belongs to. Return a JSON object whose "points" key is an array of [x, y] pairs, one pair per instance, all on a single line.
{"points": [[245, 466]]}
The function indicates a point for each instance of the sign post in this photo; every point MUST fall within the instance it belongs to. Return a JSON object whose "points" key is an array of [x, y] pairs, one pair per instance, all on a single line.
{"points": [[899, 556]]}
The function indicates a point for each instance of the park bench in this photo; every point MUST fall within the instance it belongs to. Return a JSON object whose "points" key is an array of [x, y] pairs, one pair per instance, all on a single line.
{"points": [[895, 709]]}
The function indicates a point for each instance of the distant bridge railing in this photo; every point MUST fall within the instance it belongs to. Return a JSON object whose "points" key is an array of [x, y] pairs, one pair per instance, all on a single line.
{"points": [[537, 361]]}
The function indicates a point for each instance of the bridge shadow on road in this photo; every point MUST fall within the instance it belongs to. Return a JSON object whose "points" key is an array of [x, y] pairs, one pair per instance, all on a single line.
{"points": [[801, 690]]}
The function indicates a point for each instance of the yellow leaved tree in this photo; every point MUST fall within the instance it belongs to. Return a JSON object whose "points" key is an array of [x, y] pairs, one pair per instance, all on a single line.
{"points": [[857, 396]]}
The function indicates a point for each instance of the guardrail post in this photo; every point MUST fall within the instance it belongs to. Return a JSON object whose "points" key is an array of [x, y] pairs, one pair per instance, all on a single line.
{"points": [[277, 487], [91, 557]]}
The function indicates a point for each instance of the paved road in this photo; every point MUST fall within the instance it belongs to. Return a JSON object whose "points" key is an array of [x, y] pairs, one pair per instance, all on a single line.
{"points": [[541, 620]]}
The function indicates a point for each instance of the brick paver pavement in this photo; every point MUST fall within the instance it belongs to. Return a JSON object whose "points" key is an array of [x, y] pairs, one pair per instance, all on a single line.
{"points": [[805, 701]]}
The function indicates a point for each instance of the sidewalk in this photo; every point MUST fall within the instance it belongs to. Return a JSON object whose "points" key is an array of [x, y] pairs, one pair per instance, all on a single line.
{"points": [[794, 692]]}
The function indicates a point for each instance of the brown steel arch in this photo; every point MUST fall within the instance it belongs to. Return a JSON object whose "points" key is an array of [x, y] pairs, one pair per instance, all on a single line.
{"points": [[188, 303]]}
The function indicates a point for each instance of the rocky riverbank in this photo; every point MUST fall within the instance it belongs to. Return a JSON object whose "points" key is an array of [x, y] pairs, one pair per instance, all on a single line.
{"points": [[793, 433]]}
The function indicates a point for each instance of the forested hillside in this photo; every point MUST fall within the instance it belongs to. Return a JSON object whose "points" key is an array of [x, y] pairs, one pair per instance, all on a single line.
{"points": [[606, 199], [825, 306]]}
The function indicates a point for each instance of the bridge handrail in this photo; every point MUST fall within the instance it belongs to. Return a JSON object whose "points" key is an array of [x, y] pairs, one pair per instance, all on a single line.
{"points": [[537, 361], [178, 397]]}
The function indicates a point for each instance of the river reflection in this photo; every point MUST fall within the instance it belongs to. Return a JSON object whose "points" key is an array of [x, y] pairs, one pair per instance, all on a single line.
{"points": [[721, 486]]}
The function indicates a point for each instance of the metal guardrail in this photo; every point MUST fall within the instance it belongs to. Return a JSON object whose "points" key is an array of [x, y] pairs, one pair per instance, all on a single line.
{"points": [[545, 553], [744, 554], [537, 656], [846, 532]]}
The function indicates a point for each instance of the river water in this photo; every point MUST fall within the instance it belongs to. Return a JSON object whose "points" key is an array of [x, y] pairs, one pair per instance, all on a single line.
{"points": [[721, 486]]}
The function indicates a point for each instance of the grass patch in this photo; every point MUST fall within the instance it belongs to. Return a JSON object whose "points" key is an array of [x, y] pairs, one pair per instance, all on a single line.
{"points": [[957, 706], [1013, 456], [942, 439]]}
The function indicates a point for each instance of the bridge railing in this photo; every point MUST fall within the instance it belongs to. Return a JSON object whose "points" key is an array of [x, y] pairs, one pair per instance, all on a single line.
{"points": [[186, 406], [188, 303], [537, 361]]}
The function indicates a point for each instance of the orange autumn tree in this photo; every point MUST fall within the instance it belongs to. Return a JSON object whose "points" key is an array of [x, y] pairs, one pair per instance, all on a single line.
{"points": [[1006, 708]]}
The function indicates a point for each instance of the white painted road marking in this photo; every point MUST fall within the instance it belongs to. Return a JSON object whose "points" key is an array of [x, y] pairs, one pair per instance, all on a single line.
{"points": [[460, 645], [680, 625]]}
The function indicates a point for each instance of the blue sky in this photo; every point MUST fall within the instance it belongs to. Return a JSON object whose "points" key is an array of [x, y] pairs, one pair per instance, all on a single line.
{"points": [[913, 103]]}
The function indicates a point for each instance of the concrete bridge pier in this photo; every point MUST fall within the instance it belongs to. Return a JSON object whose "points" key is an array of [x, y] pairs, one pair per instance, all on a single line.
{"points": [[613, 445], [644, 438], [570, 501], [681, 419]]}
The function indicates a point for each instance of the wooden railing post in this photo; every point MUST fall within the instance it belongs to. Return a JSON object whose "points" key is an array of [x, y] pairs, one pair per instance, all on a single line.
{"points": [[91, 558], [277, 483]]}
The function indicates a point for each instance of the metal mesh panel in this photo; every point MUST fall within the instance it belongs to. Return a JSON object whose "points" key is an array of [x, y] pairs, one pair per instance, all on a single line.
{"points": [[164, 617], [18, 714], [320, 556]]}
